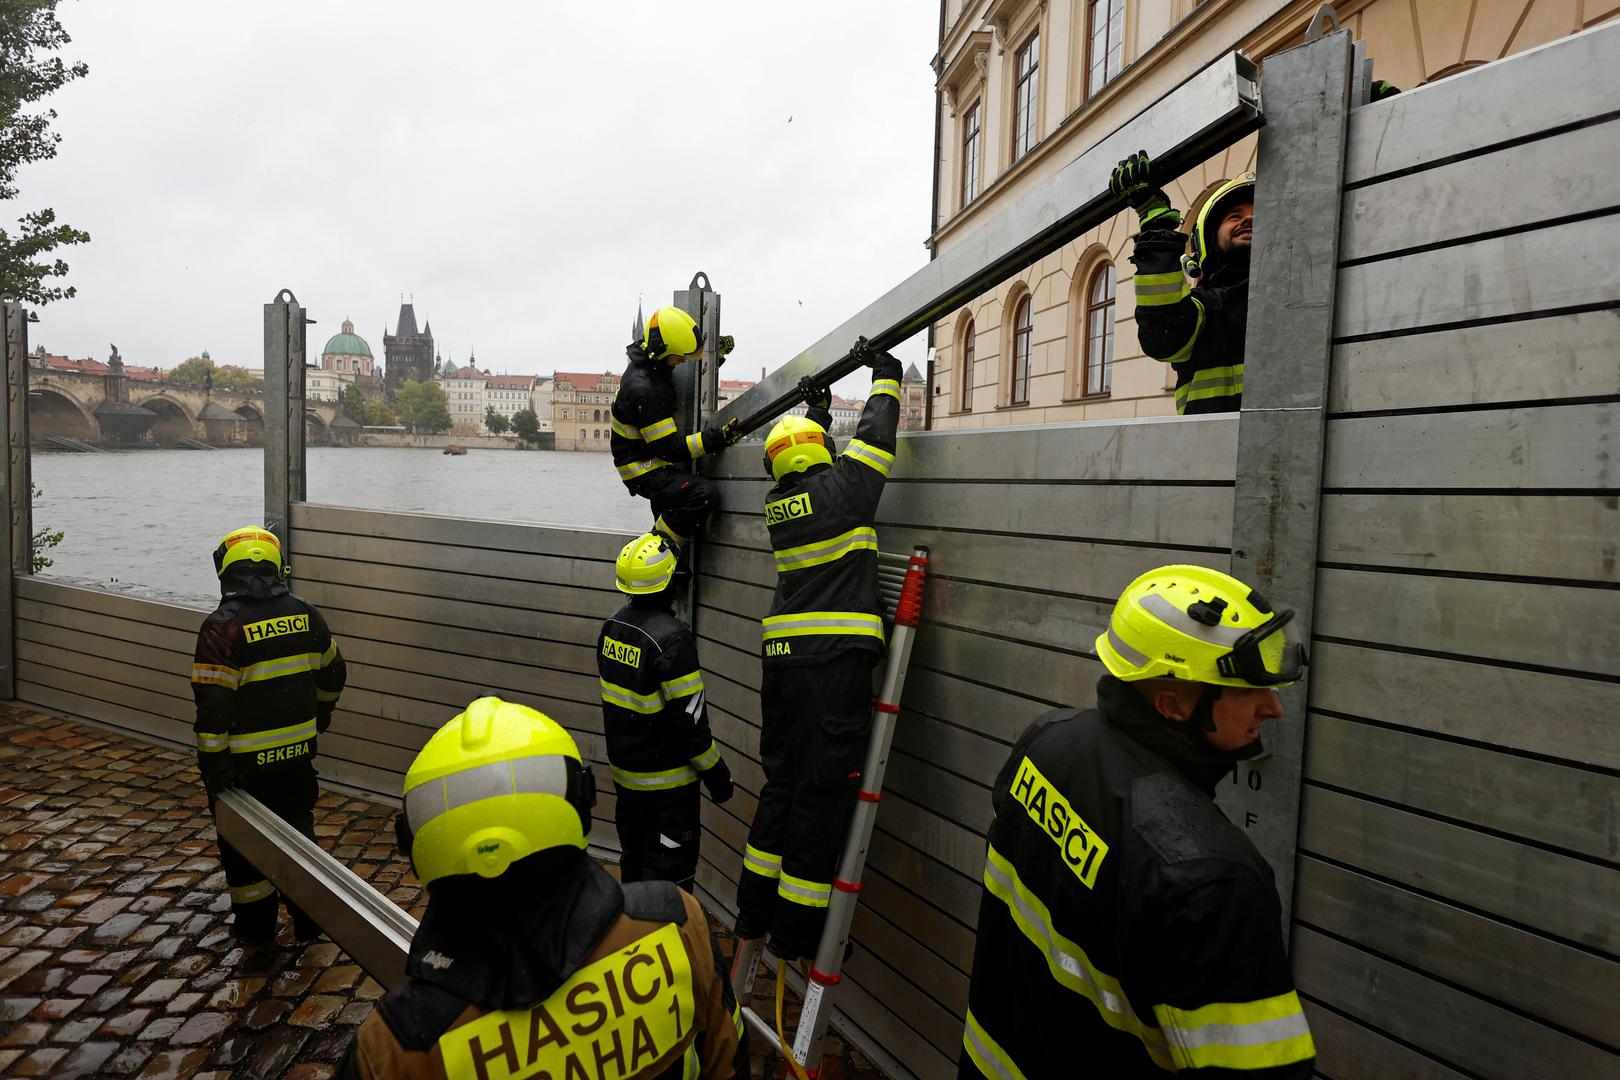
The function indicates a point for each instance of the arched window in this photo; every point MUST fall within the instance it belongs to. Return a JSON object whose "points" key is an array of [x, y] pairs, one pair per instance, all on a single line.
{"points": [[968, 351], [581, 434], [596, 415], [598, 434], [1023, 331], [1097, 376], [565, 414]]}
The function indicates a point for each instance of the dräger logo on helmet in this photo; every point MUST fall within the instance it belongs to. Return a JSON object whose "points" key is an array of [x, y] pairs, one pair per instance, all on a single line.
{"points": [[269, 628], [1082, 849], [612, 1019], [787, 509]]}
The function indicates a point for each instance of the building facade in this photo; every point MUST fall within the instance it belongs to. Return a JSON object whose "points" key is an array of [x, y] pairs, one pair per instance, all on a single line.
{"points": [[581, 404], [347, 354], [464, 391], [407, 353], [1026, 86], [508, 394], [540, 400]]}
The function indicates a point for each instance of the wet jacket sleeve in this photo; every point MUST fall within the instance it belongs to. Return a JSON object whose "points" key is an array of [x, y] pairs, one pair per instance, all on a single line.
{"points": [[331, 675], [1219, 983], [722, 1039], [680, 684], [1170, 313], [865, 463], [652, 412], [214, 677]]}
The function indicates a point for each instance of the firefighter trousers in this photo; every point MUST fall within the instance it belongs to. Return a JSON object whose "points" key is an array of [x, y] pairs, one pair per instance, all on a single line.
{"points": [[254, 901], [817, 721], [658, 834], [681, 501]]}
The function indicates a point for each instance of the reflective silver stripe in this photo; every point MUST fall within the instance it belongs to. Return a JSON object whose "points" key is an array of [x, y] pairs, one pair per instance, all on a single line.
{"points": [[662, 780], [762, 863], [890, 387], [867, 454], [986, 1053], [659, 429], [1121, 646], [330, 654], [1254, 1033], [260, 740], [216, 675], [804, 891], [1177, 619], [247, 894], [275, 669], [625, 431], [849, 622], [708, 759], [631, 470], [694, 444], [212, 741], [686, 684], [540, 774], [613, 694], [860, 538]]}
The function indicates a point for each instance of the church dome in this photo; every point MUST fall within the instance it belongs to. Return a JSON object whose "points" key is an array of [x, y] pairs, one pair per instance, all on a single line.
{"points": [[347, 343]]}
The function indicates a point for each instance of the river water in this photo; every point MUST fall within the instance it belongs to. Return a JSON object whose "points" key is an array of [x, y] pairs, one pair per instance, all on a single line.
{"points": [[146, 521]]}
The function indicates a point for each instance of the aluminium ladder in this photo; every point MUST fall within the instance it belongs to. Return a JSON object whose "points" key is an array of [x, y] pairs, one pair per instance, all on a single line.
{"points": [[900, 582]]}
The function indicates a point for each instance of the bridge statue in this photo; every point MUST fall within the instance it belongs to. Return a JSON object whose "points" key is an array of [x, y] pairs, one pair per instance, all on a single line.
{"points": [[115, 363]]}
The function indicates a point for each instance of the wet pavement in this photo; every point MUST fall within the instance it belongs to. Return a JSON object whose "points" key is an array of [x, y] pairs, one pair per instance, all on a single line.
{"points": [[116, 957]]}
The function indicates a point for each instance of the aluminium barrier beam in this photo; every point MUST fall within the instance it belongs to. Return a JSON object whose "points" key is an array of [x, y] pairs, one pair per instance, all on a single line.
{"points": [[1201, 117], [368, 926]]}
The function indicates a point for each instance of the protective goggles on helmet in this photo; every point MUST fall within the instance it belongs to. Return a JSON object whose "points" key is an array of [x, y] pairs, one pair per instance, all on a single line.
{"points": [[1261, 664]]}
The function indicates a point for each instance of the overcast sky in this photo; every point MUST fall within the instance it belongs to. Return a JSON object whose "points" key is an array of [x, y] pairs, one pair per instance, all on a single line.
{"points": [[524, 170]]}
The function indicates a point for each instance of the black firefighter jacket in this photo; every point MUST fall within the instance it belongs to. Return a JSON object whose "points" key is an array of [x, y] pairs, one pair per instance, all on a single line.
{"points": [[1128, 929], [266, 676], [1200, 330], [645, 436], [653, 709], [821, 527]]}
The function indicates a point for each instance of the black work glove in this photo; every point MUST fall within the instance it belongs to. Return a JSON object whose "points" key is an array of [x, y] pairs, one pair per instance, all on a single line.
{"points": [[718, 781], [1382, 90], [862, 350], [717, 437], [1132, 182], [815, 395], [323, 718], [722, 348], [218, 774]]}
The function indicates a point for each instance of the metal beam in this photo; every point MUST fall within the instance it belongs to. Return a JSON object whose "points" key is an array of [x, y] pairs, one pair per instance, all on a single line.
{"points": [[16, 495], [283, 413], [1276, 505], [1201, 117], [364, 923]]}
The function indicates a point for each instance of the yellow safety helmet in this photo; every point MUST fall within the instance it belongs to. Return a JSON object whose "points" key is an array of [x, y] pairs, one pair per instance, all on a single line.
{"points": [[1198, 624], [248, 545], [795, 444], [1202, 250], [497, 783], [646, 565], [671, 332]]}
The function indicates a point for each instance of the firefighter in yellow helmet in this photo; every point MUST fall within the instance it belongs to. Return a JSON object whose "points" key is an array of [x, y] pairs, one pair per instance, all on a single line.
{"points": [[266, 677], [655, 721], [647, 444], [1127, 928], [530, 959], [822, 637], [1192, 310]]}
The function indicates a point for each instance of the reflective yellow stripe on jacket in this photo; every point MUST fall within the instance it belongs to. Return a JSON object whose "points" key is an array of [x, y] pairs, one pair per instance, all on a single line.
{"points": [[216, 675], [614, 694], [632, 469], [1238, 1035], [986, 1053], [871, 456], [891, 387], [1185, 352], [1155, 290], [708, 759], [657, 780], [798, 890], [658, 429], [625, 431], [684, 686], [270, 739], [694, 445], [761, 862], [297, 664], [805, 623], [1226, 381], [860, 538]]}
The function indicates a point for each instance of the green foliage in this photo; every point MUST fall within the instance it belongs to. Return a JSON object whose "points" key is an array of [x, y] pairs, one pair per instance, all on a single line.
{"points": [[231, 377], [525, 423], [380, 414], [495, 422], [354, 405], [44, 539], [422, 407], [199, 369], [194, 372], [29, 31]]}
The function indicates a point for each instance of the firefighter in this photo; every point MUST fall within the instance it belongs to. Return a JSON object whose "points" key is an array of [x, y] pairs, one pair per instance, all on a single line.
{"points": [[1127, 928], [646, 442], [1199, 328], [266, 677], [821, 640], [530, 959], [655, 720]]}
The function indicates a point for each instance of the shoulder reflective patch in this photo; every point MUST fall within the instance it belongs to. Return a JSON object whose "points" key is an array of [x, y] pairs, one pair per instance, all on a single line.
{"points": [[269, 628], [798, 506], [618, 650], [1083, 850], [613, 1019]]}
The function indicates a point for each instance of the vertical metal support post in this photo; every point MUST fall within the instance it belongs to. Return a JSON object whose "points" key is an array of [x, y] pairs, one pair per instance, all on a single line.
{"points": [[1277, 501], [697, 390], [283, 413], [16, 539]]}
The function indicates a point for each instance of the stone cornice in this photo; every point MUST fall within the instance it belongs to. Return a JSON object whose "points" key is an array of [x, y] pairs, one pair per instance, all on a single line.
{"points": [[969, 61]]}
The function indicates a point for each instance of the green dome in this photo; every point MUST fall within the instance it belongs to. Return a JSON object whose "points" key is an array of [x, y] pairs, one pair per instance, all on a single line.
{"points": [[347, 343]]}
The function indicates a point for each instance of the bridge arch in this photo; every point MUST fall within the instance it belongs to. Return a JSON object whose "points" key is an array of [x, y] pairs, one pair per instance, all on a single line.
{"points": [[254, 428], [52, 412], [316, 433], [174, 420]]}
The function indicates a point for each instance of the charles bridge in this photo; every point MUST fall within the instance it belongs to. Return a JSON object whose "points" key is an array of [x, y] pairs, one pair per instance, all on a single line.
{"points": [[117, 410]]}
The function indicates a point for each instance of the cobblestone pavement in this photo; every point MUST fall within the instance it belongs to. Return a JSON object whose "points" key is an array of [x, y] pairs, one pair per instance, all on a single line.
{"points": [[115, 954]]}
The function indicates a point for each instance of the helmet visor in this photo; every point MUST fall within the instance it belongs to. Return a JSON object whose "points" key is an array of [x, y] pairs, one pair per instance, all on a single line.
{"points": [[1265, 656]]}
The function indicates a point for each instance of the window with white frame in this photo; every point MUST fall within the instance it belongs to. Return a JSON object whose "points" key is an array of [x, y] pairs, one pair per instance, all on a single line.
{"points": [[970, 154], [1025, 91], [1105, 44], [1097, 376]]}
